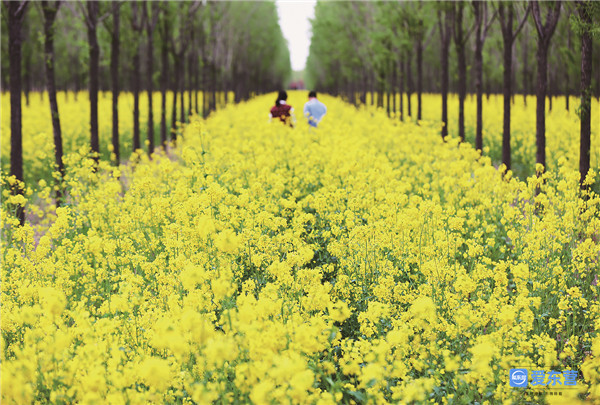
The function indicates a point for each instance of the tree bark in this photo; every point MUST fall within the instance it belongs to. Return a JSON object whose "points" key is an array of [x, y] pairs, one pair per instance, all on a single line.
{"points": [[49, 11], [445, 46], [135, 80], [150, 23], [408, 87], [93, 9], [419, 76], [190, 86], [16, 14], [182, 88], [507, 36], [174, 110], [540, 121], [586, 95], [508, 39], [164, 83], [114, 73], [545, 32], [137, 24], [459, 41], [197, 85], [526, 79], [27, 76], [394, 84], [479, 39], [401, 91]]}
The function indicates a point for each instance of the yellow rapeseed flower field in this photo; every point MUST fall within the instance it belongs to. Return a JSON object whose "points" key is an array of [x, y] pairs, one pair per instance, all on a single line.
{"points": [[74, 111], [365, 261]]}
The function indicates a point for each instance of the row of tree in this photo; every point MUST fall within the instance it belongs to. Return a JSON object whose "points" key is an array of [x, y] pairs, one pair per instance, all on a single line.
{"points": [[390, 47], [203, 46]]}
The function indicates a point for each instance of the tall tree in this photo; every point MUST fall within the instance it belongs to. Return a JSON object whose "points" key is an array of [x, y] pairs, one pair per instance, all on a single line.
{"points": [[164, 76], [151, 21], [115, 32], [525, 62], [482, 25], [545, 32], [91, 18], [460, 41], [509, 34], [445, 17], [179, 45], [49, 10], [589, 15], [16, 15], [137, 24]]}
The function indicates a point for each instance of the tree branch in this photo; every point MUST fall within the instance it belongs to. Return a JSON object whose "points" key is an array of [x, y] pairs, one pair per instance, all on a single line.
{"points": [[522, 22]]}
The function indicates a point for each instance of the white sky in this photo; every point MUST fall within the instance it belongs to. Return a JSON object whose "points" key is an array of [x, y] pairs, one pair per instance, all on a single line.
{"points": [[293, 19]]}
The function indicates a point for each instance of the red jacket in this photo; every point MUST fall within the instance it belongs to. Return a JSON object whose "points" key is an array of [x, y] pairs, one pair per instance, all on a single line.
{"points": [[281, 111]]}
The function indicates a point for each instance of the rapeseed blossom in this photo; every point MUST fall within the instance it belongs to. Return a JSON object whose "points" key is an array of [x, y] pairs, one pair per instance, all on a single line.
{"points": [[366, 262]]}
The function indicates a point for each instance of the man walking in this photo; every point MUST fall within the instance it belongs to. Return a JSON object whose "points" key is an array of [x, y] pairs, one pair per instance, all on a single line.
{"points": [[314, 110]]}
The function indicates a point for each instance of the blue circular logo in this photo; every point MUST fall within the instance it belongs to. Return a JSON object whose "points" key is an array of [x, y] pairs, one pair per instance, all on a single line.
{"points": [[518, 377]]}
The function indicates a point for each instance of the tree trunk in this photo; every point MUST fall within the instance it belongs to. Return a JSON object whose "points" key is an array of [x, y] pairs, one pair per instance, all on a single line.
{"points": [[408, 87], [394, 84], [114, 72], [401, 91], [190, 76], [567, 84], [49, 11], [586, 95], [445, 34], [380, 81], [462, 70], [164, 82], [479, 74], [135, 80], [175, 89], [372, 88], [204, 86], [540, 121], [506, 89], [212, 104], [526, 79], [27, 76], [545, 32], [182, 88], [16, 14], [150, 88], [363, 92], [419, 78], [197, 85], [94, 66]]}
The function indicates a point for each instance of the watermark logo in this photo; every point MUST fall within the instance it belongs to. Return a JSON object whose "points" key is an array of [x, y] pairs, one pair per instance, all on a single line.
{"points": [[518, 377], [522, 378]]}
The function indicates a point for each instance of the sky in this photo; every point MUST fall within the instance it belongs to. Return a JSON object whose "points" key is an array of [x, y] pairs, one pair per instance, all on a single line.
{"points": [[293, 19]]}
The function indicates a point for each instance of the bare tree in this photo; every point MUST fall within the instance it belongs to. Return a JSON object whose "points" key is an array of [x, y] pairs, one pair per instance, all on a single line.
{"points": [[164, 80], [506, 15], [49, 11], [445, 24], [460, 41], [151, 21], [585, 11], [545, 32], [92, 19], [16, 15], [137, 24], [482, 25], [114, 31]]}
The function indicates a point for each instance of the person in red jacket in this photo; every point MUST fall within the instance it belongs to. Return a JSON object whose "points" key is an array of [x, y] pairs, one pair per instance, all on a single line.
{"points": [[282, 110]]}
